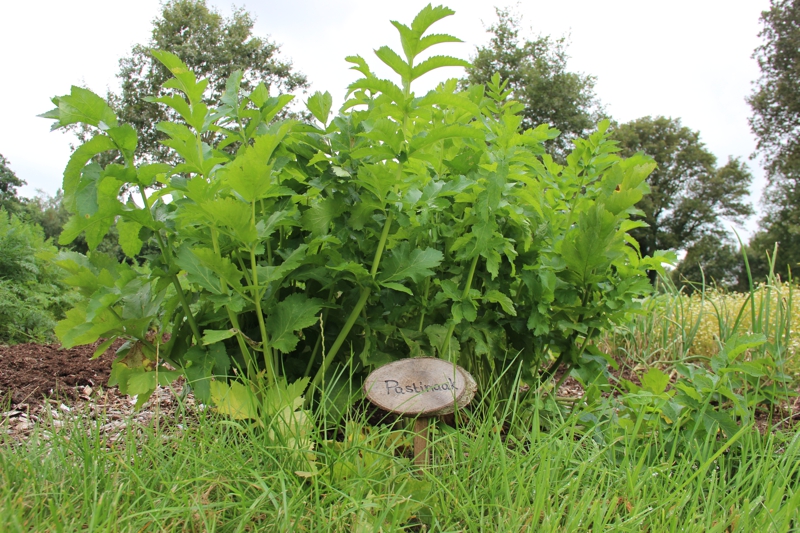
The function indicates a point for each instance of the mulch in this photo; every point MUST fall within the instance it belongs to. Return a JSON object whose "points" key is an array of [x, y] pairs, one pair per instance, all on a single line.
{"points": [[29, 373], [35, 377]]}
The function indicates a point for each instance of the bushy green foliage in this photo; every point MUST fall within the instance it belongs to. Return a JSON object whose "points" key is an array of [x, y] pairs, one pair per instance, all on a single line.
{"points": [[32, 295], [9, 201], [775, 103], [691, 197], [537, 75], [213, 47], [405, 225]]}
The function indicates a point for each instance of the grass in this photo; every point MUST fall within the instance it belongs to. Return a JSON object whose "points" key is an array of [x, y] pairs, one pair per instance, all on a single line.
{"points": [[525, 464], [219, 475], [676, 327]]}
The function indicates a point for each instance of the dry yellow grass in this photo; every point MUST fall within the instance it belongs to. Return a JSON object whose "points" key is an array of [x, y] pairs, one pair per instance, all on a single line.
{"points": [[675, 325]]}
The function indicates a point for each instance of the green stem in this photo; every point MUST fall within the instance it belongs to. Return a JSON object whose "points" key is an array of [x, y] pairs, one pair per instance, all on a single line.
{"points": [[362, 300], [175, 281], [268, 355], [424, 308], [464, 294], [248, 358], [318, 344], [270, 364]]}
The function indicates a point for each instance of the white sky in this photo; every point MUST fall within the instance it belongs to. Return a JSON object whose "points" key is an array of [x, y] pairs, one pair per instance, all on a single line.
{"points": [[683, 58]]}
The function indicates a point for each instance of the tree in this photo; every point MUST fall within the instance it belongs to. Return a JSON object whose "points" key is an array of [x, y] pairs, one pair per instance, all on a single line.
{"points": [[537, 75], [690, 197], [775, 103], [776, 99], [8, 187], [712, 260], [212, 47]]}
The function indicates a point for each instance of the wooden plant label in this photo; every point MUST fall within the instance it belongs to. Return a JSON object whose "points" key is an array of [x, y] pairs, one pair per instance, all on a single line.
{"points": [[420, 387]]}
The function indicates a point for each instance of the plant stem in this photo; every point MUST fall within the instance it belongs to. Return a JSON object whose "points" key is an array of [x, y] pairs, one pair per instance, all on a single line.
{"points": [[464, 294], [248, 358], [269, 361], [362, 300], [319, 339], [175, 281]]}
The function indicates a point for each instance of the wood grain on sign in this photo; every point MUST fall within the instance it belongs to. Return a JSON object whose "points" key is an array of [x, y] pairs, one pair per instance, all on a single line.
{"points": [[420, 386]]}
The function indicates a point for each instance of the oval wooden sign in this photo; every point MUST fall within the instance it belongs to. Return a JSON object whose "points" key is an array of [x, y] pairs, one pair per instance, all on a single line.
{"points": [[420, 386]]}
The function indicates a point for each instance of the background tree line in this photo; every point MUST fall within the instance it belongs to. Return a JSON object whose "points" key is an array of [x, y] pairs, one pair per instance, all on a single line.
{"points": [[694, 197]]}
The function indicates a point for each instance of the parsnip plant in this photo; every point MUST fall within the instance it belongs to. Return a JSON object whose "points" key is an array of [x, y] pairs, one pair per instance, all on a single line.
{"points": [[405, 225]]}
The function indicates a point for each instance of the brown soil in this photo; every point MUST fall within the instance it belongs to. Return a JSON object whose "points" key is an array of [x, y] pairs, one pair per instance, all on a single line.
{"points": [[31, 372]]}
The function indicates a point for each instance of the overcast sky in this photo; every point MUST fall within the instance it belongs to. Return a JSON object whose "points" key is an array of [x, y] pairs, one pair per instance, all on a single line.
{"points": [[687, 59]]}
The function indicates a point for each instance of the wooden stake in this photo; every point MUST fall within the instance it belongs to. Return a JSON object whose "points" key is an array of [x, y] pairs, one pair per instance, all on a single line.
{"points": [[421, 441]]}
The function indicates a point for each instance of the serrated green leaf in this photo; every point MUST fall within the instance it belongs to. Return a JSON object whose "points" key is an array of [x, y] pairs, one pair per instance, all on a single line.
{"points": [[219, 356], [505, 302], [250, 174], [376, 85], [95, 227], [75, 329], [221, 266], [360, 65], [655, 381], [586, 248], [184, 79], [259, 95], [125, 138], [197, 367], [397, 287], [394, 62], [196, 272], [318, 217], [453, 131], [320, 105], [72, 173], [294, 313], [86, 192], [147, 174], [129, 239], [102, 347], [236, 400], [428, 16], [405, 263], [82, 106], [145, 382], [212, 336], [432, 63], [737, 344]]}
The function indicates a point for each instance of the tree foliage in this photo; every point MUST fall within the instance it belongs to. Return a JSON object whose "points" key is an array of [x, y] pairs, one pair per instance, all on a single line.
{"points": [[775, 103], [714, 261], [690, 196], [211, 46], [537, 75], [776, 99], [8, 187]]}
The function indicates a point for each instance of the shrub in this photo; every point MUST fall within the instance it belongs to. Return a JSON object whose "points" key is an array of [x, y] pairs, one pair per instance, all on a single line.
{"points": [[32, 295], [405, 225]]}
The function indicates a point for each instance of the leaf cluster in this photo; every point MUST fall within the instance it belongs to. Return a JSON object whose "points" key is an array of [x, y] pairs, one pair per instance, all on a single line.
{"points": [[538, 77], [32, 295], [213, 47], [404, 225], [691, 197]]}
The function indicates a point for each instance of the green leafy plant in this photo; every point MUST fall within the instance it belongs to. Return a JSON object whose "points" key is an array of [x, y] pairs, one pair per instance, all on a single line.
{"points": [[696, 403], [32, 294], [405, 225]]}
